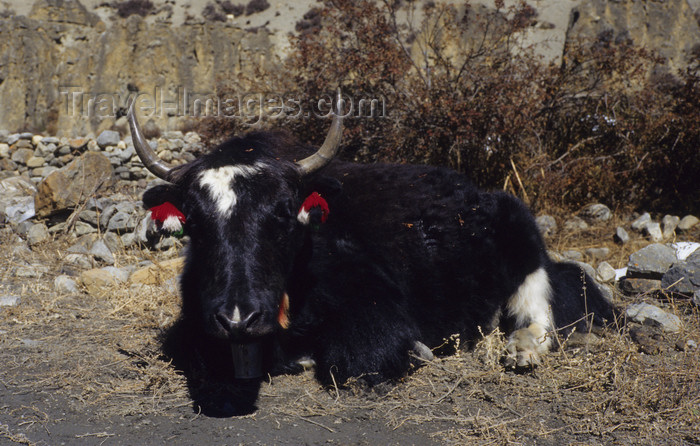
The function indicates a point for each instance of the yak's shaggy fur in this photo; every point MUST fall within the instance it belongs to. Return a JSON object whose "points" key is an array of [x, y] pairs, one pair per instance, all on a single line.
{"points": [[409, 255]]}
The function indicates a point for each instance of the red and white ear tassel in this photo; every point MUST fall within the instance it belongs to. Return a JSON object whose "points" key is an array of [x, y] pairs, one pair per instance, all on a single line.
{"points": [[168, 218], [313, 200]]}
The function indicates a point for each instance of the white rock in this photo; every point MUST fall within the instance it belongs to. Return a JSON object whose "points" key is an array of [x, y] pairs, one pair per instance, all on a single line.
{"points": [[669, 224], [653, 231], [685, 249], [65, 285], [605, 273], [688, 222], [639, 223]]}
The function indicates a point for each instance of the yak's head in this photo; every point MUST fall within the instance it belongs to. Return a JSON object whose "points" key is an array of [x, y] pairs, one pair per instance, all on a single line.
{"points": [[246, 215]]}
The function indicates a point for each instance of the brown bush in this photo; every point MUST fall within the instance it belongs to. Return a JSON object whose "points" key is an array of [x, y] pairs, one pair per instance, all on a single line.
{"points": [[602, 125]]}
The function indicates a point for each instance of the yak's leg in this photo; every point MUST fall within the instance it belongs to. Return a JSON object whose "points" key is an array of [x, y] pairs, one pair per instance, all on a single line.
{"points": [[531, 310]]}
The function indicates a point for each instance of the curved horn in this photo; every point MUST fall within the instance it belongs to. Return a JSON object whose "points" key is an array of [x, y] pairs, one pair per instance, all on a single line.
{"points": [[143, 149], [330, 146]]}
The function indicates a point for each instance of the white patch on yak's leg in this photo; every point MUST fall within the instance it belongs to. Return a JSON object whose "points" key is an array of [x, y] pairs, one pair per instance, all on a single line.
{"points": [[219, 182], [530, 306]]}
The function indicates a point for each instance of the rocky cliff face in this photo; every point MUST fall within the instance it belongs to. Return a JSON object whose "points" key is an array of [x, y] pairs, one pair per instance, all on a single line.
{"points": [[671, 28], [63, 71], [68, 69]]}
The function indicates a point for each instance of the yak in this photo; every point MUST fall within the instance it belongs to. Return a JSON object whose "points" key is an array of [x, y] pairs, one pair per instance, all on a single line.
{"points": [[356, 269]]}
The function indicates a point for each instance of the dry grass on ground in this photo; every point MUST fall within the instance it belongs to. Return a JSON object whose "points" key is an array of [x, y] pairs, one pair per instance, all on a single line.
{"points": [[103, 351]]}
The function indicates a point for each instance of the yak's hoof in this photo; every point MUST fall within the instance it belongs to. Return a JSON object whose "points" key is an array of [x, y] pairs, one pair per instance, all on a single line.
{"points": [[526, 346], [422, 352]]}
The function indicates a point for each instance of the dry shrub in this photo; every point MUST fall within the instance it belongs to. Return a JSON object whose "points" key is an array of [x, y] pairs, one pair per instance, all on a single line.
{"points": [[462, 91]]}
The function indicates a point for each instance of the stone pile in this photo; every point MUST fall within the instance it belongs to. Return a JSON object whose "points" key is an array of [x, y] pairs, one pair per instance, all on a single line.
{"points": [[670, 269], [45, 176], [36, 156], [48, 187]]}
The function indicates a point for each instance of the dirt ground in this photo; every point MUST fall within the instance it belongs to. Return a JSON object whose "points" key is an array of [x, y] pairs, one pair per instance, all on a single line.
{"points": [[80, 369]]}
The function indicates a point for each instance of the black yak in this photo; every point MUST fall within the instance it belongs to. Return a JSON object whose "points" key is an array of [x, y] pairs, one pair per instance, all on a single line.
{"points": [[355, 268]]}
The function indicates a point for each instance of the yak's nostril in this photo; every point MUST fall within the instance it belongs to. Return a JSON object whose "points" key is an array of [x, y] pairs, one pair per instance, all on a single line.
{"points": [[252, 317], [236, 326]]}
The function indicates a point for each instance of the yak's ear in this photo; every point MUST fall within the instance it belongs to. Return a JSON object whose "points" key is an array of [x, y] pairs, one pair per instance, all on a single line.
{"points": [[164, 202], [328, 187], [160, 194]]}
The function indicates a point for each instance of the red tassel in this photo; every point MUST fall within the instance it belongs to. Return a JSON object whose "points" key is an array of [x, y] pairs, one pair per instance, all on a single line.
{"points": [[168, 217], [313, 200]]}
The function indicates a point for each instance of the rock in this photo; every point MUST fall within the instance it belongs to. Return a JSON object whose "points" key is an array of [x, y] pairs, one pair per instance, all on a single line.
{"points": [[598, 253], [107, 213], [620, 273], [93, 245], [66, 187], [101, 252], [158, 273], [633, 286], [77, 144], [120, 274], [653, 231], [546, 224], [668, 225], [9, 301], [648, 314], [17, 199], [65, 285], [83, 261], [605, 273], [35, 161], [37, 234], [594, 213], [651, 262], [621, 236], [108, 138], [572, 255], [4, 150], [687, 223], [641, 221], [82, 228], [97, 281], [21, 156], [683, 277], [122, 222], [12, 139], [50, 140], [63, 11], [685, 249], [112, 241], [89, 216], [140, 234], [30, 271], [587, 268], [575, 224]]}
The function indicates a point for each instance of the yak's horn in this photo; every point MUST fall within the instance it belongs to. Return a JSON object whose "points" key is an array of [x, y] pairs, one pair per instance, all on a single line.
{"points": [[330, 146], [149, 158]]}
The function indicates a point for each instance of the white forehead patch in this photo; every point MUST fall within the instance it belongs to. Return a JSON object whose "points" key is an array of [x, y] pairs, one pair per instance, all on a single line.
{"points": [[219, 182]]}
